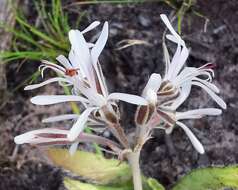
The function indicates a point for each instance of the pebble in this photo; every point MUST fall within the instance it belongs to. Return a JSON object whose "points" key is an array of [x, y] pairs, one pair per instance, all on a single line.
{"points": [[144, 21]]}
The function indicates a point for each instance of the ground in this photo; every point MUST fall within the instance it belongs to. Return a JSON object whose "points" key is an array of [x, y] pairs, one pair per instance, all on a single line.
{"points": [[165, 158]]}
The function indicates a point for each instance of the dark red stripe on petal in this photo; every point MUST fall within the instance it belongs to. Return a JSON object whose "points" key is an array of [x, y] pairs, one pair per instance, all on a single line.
{"points": [[209, 66], [63, 142], [52, 136]]}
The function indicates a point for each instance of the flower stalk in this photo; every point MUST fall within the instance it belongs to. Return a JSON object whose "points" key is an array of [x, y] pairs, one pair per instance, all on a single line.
{"points": [[133, 159]]}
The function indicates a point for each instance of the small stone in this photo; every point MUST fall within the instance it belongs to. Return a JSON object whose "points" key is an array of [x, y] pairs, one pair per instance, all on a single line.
{"points": [[106, 133], [144, 21]]}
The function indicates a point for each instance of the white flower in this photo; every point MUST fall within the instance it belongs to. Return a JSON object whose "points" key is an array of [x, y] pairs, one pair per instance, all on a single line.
{"points": [[68, 71], [167, 94], [184, 77], [174, 88], [83, 71]]}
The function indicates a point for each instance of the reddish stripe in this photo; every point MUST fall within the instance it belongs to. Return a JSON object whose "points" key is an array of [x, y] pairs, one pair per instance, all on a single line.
{"points": [[63, 142], [52, 136]]}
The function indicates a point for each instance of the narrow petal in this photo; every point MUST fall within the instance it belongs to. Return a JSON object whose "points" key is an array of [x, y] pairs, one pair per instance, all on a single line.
{"points": [[191, 73], [64, 61], [60, 118], [173, 63], [73, 148], [172, 38], [195, 142], [184, 93], [169, 26], [24, 138], [213, 87], [166, 58], [79, 125], [97, 49], [31, 137], [216, 98], [181, 61], [48, 63], [187, 74], [56, 79], [151, 96], [198, 113], [81, 55], [205, 111], [91, 27], [153, 83], [102, 81], [58, 71], [55, 99], [133, 99]]}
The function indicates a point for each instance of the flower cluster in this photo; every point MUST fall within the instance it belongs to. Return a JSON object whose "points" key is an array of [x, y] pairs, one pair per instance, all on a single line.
{"points": [[165, 95], [82, 72], [157, 106]]}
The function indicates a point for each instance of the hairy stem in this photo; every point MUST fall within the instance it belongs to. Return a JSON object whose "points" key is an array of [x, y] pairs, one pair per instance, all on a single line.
{"points": [[133, 159]]}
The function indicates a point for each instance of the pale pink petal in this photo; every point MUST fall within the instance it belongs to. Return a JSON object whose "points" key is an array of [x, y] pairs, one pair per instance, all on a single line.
{"points": [[60, 118], [133, 99], [91, 27], [172, 38], [198, 113], [181, 61], [64, 61], [216, 98], [101, 42], [73, 148], [56, 79], [79, 125], [96, 51], [169, 26], [166, 58], [55, 99], [153, 83], [184, 93], [213, 87], [81, 55], [33, 138], [48, 63], [173, 63], [195, 142], [58, 71]]}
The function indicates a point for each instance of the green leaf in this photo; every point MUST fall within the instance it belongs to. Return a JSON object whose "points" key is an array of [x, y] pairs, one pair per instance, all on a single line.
{"points": [[92, 167], [99, 172], [76, 185], [214, 178], [150, 184], [154, 184]]}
